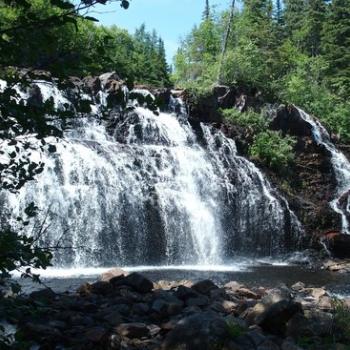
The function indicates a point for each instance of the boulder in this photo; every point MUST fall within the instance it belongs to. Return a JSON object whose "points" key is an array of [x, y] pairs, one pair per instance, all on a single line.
{"points": [[135, 280], [275, 317], [202, 331], [204, 287], [115, 272], [92, 85], [289, 121], [106, 77], [338, 244], [133, 330]]}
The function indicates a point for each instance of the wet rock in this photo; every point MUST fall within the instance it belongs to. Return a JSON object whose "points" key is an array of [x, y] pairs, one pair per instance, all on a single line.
{"points": [[246, 293], [338, 245], [183, 293], [140, 309], [204, 287], [290, 345], [112, 273], [133, 330], [233, 286], [107, 77], [92, 85]]}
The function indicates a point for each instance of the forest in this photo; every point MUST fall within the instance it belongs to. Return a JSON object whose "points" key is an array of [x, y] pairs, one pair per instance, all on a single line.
{"points": [[293, 51]]}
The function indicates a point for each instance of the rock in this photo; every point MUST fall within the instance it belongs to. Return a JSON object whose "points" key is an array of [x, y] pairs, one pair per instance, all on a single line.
{"points": [[338, 245], [92, 85], [276, 316], [106, 77], [198, 301], [95, 334], [290, 345], [233, 286], [298, 286], [184, 293], [197, 332], [268, 345], [167, 307], [102, 288], [204, 287], [135, 280], [133, 330], [45, 295], [112, 273], [162, 97], [246, 293], [289, 121], [140, 309], [144, 98]]}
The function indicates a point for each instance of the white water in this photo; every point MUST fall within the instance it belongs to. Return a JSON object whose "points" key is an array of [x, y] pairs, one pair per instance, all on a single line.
{"points": [[151, 191], [341, 167]]}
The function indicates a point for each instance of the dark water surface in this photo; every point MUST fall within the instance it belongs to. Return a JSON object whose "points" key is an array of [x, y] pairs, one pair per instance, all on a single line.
{"points": [[266, 276]]}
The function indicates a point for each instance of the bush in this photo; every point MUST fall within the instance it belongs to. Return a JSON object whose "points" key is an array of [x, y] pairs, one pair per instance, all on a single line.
{"points": [[273, 150], [257, 122]]}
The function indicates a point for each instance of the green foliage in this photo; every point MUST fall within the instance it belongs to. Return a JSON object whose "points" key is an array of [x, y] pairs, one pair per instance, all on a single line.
{"points": [[342, 319], [273, 150], [234, 330], [54, 35], [297, 52], [257, 122]]}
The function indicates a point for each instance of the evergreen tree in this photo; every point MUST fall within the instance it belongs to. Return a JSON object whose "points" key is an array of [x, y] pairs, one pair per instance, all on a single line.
{"points": [[294, 17], [336, 45], [206, 13]]}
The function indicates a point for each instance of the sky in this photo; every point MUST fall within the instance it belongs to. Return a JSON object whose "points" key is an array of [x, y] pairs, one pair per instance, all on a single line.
{"points": [[172, 19]]}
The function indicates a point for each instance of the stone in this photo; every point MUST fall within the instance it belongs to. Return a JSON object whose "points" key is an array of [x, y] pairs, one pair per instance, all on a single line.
{"points": [[184, 293], [92, 85], [246, 293], [268, 345], [233, 285], [316, 293], [140, 309], [338, 244], [102, 288], [290, 345], [167, 308], [106, 77], [198, 301], [274, 319], [204, 287], [325, 303], [298, 286], [46, 295], [112, 273], [95, 334], [135, 280], [133, 330], [197, 332]]}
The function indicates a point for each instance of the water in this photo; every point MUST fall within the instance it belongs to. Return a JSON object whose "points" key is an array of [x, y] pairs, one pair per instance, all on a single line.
{"points": [[142, 188], [341, 166]]}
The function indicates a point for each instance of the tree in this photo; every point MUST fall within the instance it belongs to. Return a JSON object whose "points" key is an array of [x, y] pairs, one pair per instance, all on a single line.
{"points": [[206, 13], [336, 46]]}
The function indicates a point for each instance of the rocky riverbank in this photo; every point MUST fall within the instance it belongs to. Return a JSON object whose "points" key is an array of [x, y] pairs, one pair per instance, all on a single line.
{"points": [[122, 311]]}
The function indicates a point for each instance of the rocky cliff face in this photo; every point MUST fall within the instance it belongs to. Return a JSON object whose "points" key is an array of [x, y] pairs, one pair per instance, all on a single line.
{"points": [[310, 184]]}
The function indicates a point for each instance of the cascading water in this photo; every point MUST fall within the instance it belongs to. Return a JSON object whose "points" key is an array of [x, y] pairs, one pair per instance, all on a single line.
{"points": [[341, 167], [150, 188]]}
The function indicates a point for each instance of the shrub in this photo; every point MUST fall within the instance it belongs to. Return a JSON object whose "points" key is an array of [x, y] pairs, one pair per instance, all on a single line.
{"points": [[273, 150], [250, 119]]}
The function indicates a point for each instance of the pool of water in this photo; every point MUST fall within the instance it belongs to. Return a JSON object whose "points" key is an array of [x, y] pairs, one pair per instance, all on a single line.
{"points": [[257, 274]]}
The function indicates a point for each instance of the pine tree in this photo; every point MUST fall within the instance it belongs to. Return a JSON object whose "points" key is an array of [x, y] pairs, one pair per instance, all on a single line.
{"points": [[313, 23], [294, 16], [336, 45], [206, 13]]}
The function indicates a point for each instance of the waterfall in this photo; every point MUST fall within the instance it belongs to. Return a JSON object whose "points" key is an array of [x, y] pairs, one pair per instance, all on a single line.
{"points": [[146, 187], [341, 166]]}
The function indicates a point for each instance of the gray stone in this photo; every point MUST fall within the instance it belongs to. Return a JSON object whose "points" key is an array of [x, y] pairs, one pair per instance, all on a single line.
{"points": [[133, 330]]}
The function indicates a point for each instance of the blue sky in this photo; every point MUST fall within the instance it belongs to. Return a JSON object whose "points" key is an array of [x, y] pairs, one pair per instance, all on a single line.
{"points": [[172, 19]]}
